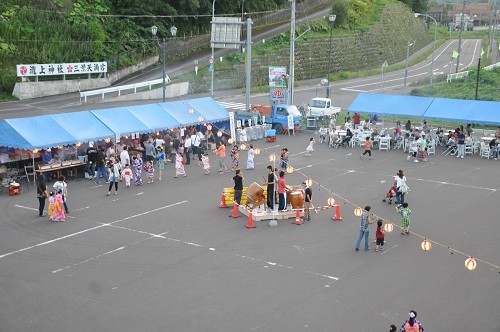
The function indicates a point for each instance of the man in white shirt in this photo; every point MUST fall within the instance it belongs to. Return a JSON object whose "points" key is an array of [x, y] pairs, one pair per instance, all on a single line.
{"points": [[124, 157], [158, 142]]}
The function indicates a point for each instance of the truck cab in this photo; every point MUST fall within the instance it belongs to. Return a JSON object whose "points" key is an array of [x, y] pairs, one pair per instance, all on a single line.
{"points": [[322, 107], [280, 117]]}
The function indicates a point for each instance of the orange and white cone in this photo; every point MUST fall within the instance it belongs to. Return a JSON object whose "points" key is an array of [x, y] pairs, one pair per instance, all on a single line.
{"points": [[234, 213], [222, 201], [250, 223], [337, 216], [297, 218]]}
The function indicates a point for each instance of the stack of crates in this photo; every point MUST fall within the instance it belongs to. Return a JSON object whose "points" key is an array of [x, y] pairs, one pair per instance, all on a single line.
{"points": [[271, 135]]}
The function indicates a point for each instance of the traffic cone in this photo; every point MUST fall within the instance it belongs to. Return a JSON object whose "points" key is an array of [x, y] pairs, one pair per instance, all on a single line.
{"points": [[250, 223], [337, 216], [235, 214], [297, 218], [222, 201]]}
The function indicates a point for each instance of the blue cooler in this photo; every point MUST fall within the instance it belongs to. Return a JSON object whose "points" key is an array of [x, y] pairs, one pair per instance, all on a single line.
{"points": [[270, 132]]}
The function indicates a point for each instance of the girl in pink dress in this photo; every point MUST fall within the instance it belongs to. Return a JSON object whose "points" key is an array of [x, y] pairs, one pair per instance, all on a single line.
{"points": [[179, 165], [206, 163], [59, 214]]}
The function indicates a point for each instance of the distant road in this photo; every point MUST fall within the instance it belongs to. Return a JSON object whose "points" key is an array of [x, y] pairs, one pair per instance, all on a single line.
{"points": [[343, 93]]}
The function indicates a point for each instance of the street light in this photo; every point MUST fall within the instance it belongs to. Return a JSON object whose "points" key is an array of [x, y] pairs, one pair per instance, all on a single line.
{"points": [[406, 66], [331, 18], [434, 45], [163, 47], [212, 58]]}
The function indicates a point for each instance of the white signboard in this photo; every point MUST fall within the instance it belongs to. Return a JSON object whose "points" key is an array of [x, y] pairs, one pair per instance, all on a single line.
{"points": [[62, 69], [232, 126], [291, 125]]}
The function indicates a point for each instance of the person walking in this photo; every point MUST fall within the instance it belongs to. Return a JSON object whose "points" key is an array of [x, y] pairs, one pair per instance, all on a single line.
{"points": [[271, 179], [401, 187], [364, 230], [307, 201], [187, 149], [41, 193], [160, 161], [101, 166], [405, 213], [150, 171], [284, 158], [179, 165], [206, 163], [221, 154], [238, 185], [114, 176], [234, 158], [412, 324], [250, 157], [60, 185], [281, 192], [379, 235], [127, 175], [368, 148], [138, 163], [91, 160], [59, 214], [310, 147]]}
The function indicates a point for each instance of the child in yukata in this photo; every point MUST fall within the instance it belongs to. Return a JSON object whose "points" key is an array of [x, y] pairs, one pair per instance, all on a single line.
{"points": [[206, 163], [127, 175], [59, 210], [138, 169], [52, 206], [151, 171]]}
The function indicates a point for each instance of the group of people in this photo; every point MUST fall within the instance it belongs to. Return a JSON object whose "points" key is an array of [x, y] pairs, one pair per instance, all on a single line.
{"points": [[58, 207]]}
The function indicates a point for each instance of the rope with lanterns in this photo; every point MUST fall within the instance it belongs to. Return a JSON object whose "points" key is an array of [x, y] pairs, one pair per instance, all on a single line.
{"points": [[426, 245]]}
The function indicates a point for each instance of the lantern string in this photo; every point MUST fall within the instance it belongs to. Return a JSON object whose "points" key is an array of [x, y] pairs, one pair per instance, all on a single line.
{"points": [[346, 200]]}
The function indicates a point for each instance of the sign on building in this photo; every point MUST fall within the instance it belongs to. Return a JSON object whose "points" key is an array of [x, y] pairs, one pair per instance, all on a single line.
{"points": [[62, 69]]}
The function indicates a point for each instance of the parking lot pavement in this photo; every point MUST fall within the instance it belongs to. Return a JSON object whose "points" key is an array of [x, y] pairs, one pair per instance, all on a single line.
{"points": [[164, 257]]}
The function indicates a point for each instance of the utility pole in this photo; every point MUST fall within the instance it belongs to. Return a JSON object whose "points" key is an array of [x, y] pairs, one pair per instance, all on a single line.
{"points": [[460, 36], [291, 78]]}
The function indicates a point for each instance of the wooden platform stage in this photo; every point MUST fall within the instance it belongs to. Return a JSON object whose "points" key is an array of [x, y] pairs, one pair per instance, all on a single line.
{"points": [[260, 214]]}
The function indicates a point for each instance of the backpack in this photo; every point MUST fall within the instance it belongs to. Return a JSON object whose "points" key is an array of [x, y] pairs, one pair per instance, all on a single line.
{"points": [[414, 328]]}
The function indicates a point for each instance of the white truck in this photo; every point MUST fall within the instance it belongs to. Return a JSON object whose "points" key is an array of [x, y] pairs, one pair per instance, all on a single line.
{"points": [[322, 107]]}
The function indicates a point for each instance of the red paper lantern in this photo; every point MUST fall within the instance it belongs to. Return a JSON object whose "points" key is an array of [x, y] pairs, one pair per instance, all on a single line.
{"points": [[389, 227], [426, 245], [331, 201], [358, 211], [470, 264]]}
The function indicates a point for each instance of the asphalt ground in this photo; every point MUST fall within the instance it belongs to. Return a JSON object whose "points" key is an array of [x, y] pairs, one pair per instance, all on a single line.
{"points": [[164, 257]]}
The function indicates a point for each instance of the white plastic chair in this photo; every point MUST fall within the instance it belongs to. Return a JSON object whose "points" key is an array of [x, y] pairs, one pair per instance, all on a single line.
{"points": [[469, 148], [384, 144], [431, 148], [485, 151]]}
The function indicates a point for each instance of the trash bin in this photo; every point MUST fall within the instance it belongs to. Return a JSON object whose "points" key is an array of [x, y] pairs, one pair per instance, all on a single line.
{"points": [[311, 123]]}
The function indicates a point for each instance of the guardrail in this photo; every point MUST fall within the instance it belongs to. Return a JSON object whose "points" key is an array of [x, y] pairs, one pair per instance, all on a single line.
{"points": [[120, 88], [490, 67], [455, 76]]}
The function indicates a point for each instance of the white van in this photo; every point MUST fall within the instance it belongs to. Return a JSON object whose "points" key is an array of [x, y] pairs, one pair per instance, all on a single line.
{"points": [[322, 107]]}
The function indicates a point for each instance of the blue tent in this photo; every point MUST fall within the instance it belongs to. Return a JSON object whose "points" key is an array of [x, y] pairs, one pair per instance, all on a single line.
{"points": [[154, 116], [470, 111], [183, 113], [41, 132], [390, 104], [121, 121], [9, 137], [209, 109], [84, 126]]}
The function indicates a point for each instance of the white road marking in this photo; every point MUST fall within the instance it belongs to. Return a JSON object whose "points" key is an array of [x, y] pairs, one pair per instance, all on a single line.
{"points": [[87, 230]]}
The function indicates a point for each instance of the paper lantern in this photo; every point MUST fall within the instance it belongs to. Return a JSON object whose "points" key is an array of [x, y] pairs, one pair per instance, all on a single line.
{"points": [[358, 211], [219, 133], [209, 127], [389, 227], [470, 264], [35, 151], [272, 157], [126, 137], [243, 147], [256, 151], [309, 183], [191, 110], [331, 201], [200, 119], [426, 245], [289, 169], [107, 140], [230, 141]]}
